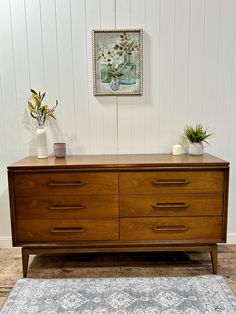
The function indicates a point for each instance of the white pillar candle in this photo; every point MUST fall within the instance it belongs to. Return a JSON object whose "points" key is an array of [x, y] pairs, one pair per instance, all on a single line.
{"points": [[176, 149]]}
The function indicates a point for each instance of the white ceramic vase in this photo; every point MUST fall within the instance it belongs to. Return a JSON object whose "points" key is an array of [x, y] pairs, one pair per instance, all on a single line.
{"points": [[41, 142], [195, 148]]}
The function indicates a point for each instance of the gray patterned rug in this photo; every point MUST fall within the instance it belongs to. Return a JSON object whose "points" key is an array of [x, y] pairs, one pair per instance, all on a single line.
{"points": [[169, 295]]}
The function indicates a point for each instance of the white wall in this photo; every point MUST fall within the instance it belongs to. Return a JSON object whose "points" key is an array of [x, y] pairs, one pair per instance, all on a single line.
{"points": [[189, 77]]}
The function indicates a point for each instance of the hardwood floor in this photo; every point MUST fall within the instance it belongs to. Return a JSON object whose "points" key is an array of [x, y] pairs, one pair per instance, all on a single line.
{"points": [[115, 265]]}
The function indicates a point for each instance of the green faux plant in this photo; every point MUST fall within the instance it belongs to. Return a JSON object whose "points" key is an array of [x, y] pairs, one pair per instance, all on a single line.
{"points": [[197, 134]]}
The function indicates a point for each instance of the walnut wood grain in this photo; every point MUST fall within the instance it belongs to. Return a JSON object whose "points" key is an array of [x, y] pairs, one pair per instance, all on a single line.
{"points": [[172, 228], [66, 207], [69, 183], [171, 205], [153, 182], [67, 230], [119, 161], [214, 258], [111, 203]]}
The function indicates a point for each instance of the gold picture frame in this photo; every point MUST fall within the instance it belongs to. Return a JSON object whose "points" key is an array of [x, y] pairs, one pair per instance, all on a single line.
{"points": [[117, 62]]}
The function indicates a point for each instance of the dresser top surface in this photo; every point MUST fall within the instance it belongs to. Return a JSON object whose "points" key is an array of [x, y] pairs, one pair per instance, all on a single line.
{"points": [[119, 161]]}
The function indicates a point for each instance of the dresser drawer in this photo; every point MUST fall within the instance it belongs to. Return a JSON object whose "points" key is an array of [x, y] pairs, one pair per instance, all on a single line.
{"points": [[152, 182], [65, 183], [67, 207], [171, 205], [172, 229], [67, 230]]}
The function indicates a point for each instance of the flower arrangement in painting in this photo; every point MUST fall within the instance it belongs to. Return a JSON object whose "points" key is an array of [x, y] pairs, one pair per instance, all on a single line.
{"points": [[109, 61], [108, 56], [126, 45], [115, 71], [38, 111], [116, 66]]}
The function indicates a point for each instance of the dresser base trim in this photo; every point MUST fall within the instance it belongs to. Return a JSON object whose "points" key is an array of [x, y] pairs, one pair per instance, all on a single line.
{"points": [[26, 251]]}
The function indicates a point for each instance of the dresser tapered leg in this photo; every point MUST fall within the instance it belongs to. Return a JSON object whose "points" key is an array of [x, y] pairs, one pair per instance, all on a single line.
{"points": [[25, 261], [214, 258]]}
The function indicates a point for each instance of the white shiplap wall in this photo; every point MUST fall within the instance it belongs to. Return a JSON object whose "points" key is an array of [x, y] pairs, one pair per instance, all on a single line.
{"points": [[189, 77]]}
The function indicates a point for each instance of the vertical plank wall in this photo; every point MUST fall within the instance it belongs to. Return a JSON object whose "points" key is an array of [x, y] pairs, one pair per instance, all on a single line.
{"points": [[189, 77]]}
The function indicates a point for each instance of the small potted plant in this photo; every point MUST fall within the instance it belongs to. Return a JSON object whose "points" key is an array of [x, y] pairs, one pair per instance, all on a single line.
{"points": [[196, 136]]}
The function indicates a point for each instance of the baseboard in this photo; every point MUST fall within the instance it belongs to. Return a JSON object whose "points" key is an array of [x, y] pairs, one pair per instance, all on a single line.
{"points": [[5, 242], [231, 238]]}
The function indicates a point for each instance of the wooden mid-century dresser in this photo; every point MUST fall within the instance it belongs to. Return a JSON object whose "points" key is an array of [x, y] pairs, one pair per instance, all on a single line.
{"points": [[118, 203]]}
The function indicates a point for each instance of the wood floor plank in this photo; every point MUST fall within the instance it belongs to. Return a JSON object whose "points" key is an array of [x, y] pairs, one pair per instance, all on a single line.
{"points": [[115, 265]]}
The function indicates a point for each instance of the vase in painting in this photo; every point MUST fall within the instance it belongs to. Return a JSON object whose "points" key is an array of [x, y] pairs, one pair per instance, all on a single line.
{"points": [[128, 70], [105, 73]]}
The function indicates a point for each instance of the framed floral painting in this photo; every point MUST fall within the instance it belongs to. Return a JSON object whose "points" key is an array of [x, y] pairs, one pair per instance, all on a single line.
{"points": [[118, 62]]}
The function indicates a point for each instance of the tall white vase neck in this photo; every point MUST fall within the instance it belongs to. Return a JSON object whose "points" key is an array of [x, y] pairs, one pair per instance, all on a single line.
{"points": [[41, 141]]}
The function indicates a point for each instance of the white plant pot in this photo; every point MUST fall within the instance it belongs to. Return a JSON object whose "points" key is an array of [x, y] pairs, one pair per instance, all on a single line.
{"points": [[41, 142], [195, 148]]}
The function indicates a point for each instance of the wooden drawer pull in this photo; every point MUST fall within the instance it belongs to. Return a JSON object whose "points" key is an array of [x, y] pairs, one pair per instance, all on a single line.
{"points": [[66, 207], [170, 205], [170, 182], [68, 230], [169, 228], [66, 183]]}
